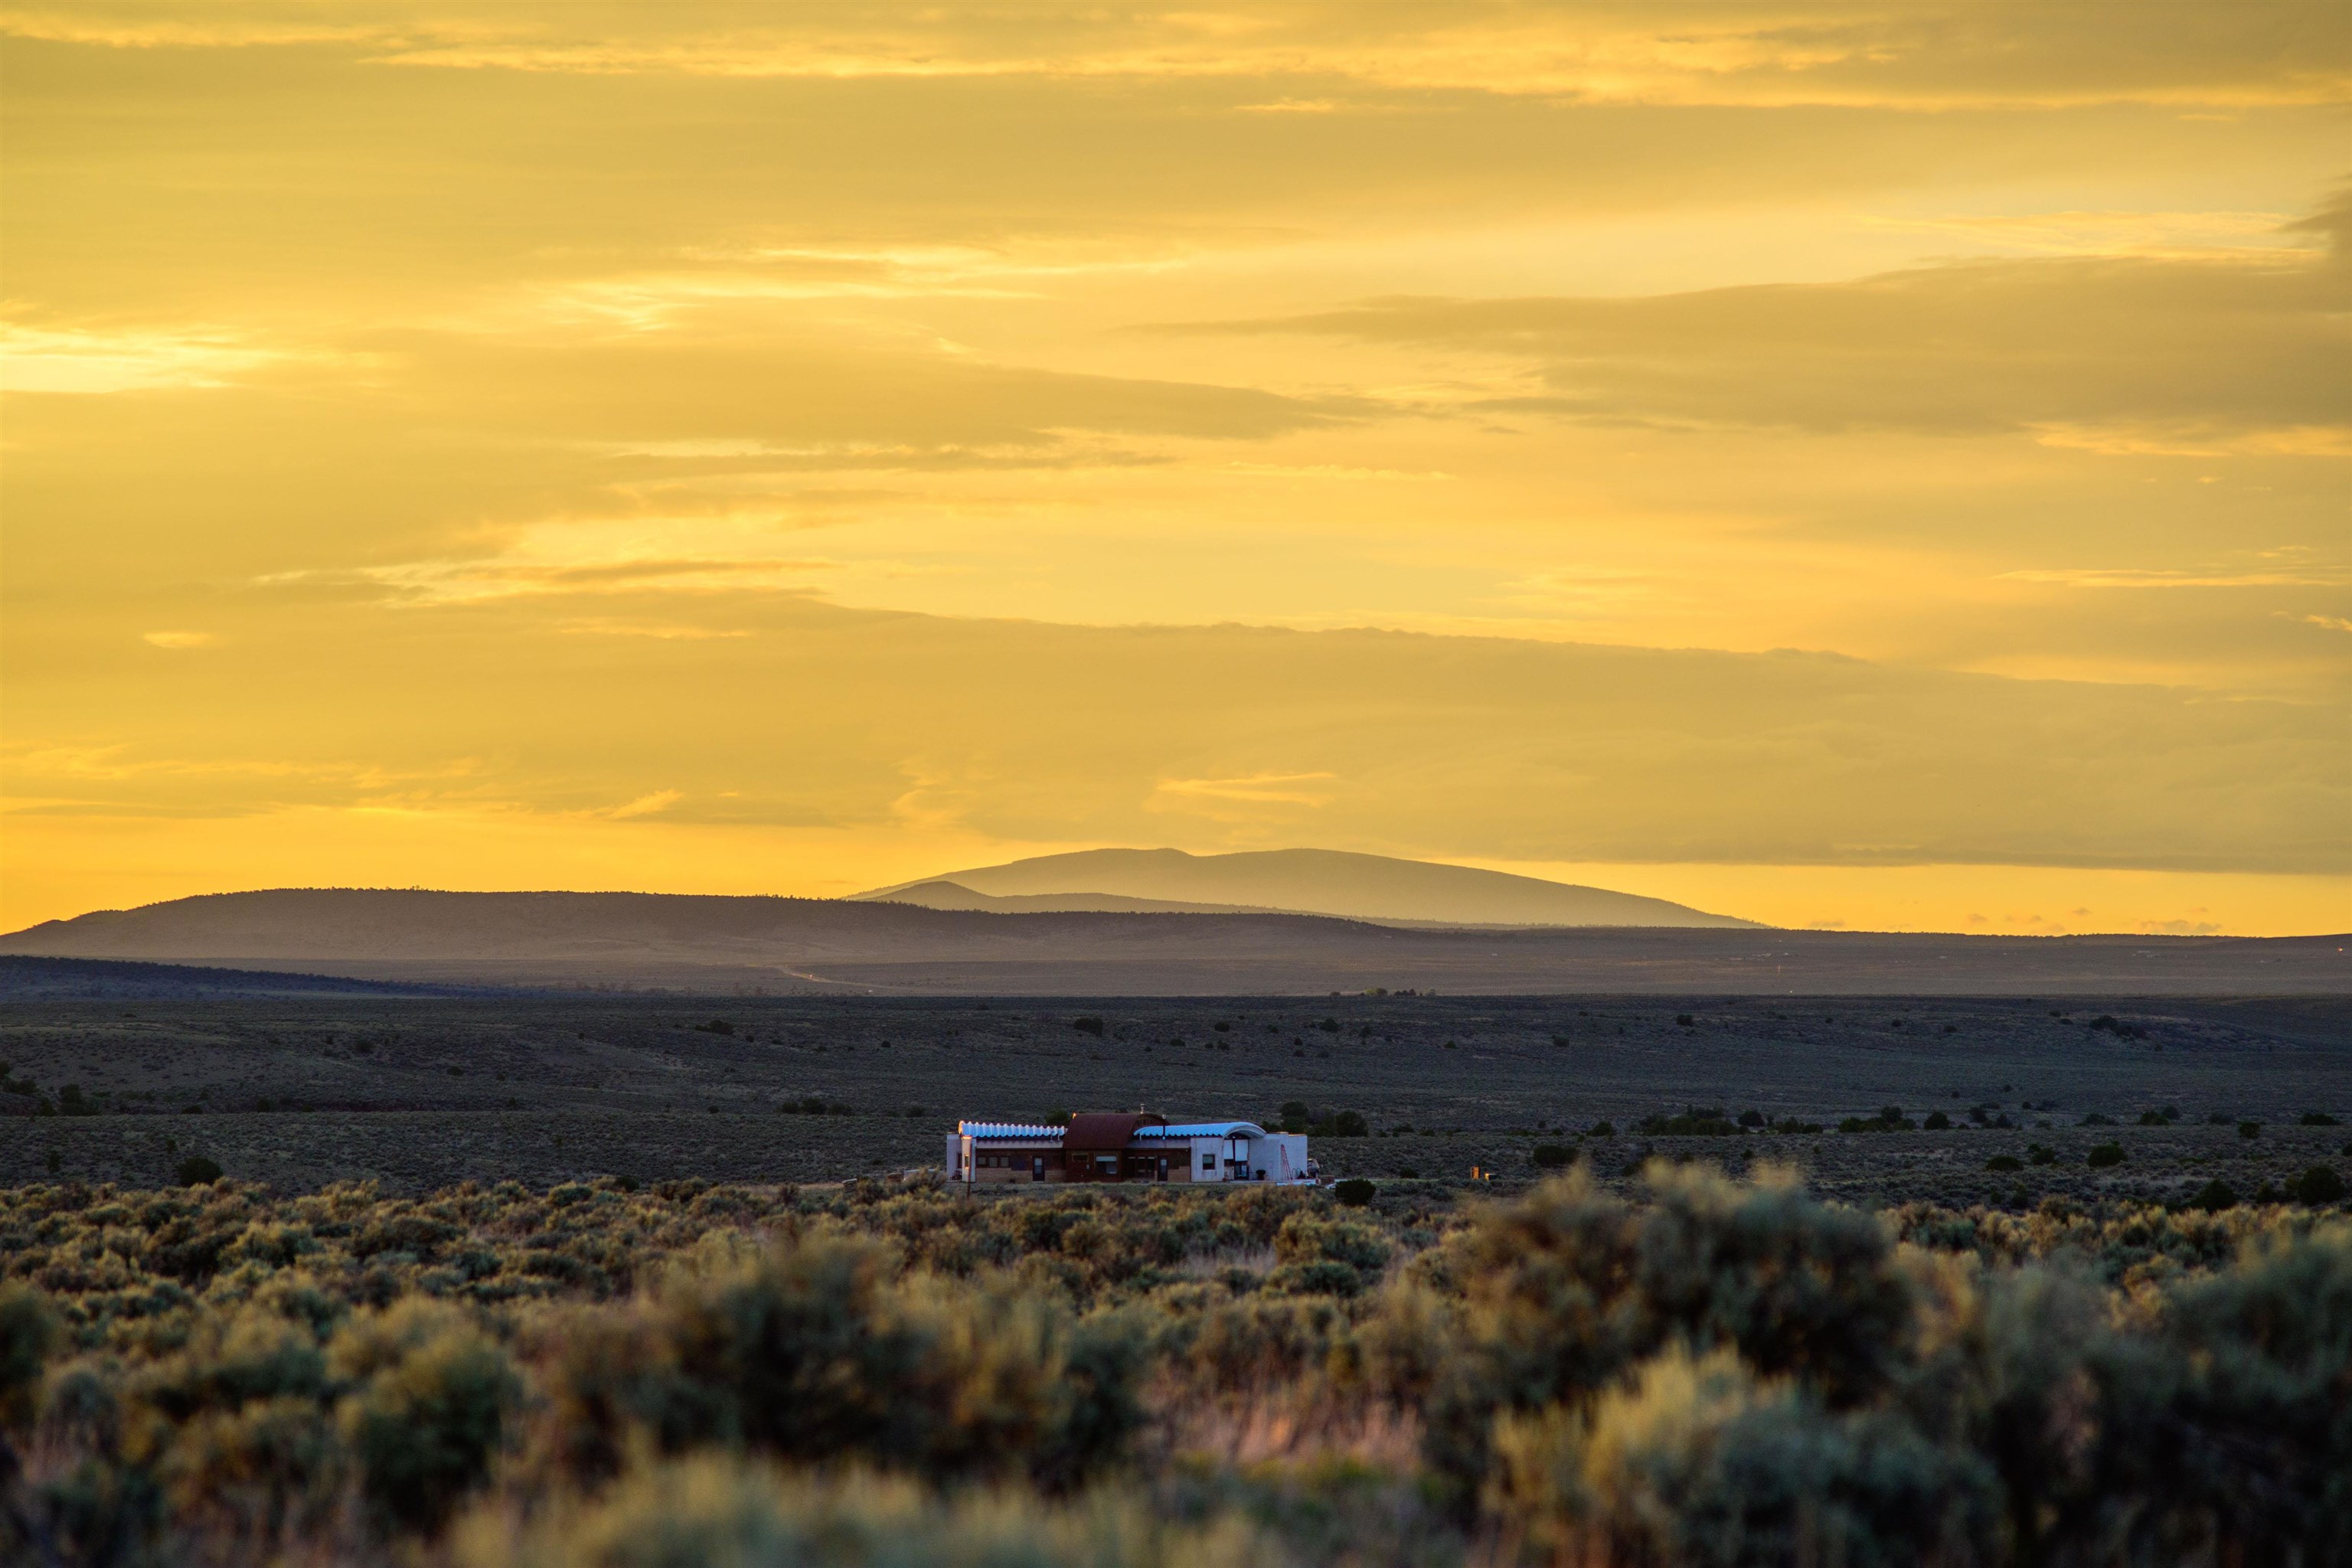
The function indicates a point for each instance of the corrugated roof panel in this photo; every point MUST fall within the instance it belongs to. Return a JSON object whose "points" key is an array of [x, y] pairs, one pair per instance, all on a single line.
{"points": [[1187, 1130]]}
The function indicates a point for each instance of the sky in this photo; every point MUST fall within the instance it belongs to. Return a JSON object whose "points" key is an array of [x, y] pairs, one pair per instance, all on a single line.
{"points": [[1856, 465]]}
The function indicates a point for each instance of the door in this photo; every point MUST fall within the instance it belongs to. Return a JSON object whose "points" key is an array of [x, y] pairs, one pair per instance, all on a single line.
{"points": [[1036, 1167]]}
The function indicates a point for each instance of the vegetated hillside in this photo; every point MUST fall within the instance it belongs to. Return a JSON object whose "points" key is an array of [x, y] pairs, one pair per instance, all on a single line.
{"points": [[22, 979], [1704, 1370], [1323, 882], [726, 944]]}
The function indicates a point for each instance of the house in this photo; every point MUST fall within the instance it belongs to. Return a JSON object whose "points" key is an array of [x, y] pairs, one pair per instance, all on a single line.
{"points": [[1125, 1146]]}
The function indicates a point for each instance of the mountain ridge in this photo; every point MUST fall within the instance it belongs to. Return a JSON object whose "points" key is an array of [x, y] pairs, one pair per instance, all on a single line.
{"points": [[694, 944], [1347, 884]]}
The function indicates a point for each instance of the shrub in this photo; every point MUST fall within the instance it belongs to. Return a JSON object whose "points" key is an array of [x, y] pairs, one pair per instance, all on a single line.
{"points": [[1938, 1122], [1353, 1190], [2249, 1128], [1564, 1289], [723, 1512], [233, 1427], [1553, 1157], [2317, 1185], [431, 1403], [1311, 1249], [814, 1350], [2004, 1163], [1699, 1462], [2316, 1119], [1090, 1025], [2103, 1155], [2253, 1425], [30, 1332], [197, 1171]]}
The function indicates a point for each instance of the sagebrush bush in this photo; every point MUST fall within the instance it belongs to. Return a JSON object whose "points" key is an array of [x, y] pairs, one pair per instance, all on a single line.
{"points": [[1709, 1370], [1567, 1288], [717, 1512], [29, 1332], [1698, 1462], [429, 1403], [821, 1350], [1327, 1257]]}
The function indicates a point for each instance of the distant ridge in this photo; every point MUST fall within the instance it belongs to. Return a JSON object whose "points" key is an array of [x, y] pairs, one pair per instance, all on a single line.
{"points": [[1296, 881], [710, 945], [22, 977]]}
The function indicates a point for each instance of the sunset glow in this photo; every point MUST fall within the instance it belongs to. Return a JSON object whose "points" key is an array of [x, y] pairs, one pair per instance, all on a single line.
{"points": [[1866, 466]]}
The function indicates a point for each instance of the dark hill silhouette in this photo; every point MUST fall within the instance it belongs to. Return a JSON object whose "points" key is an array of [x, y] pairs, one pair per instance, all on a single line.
{"points": [[717, 944], [24, 978], [1308, 881]]}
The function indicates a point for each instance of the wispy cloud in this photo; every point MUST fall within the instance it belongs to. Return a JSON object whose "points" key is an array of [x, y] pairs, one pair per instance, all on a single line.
{"points": [[1257, 789], [1928, 55], [646, 805], [663, 633], [2132, 354], [2137, 577], [93, 362]]}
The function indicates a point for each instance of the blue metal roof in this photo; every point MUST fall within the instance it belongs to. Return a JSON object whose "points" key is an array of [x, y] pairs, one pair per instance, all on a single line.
{"points": [[1030, 1133]]}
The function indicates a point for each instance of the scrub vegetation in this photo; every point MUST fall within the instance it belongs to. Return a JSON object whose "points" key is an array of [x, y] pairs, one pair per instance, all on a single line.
{"points": [[421, 1093], [1701, 1370]]}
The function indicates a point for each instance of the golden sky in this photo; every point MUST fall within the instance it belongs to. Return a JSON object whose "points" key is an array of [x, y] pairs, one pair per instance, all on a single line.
{"points": [[1835, 464]]}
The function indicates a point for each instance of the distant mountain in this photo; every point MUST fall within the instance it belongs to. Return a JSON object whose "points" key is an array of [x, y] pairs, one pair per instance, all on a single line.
{"points": [[1298, 881], [719, 946]]}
